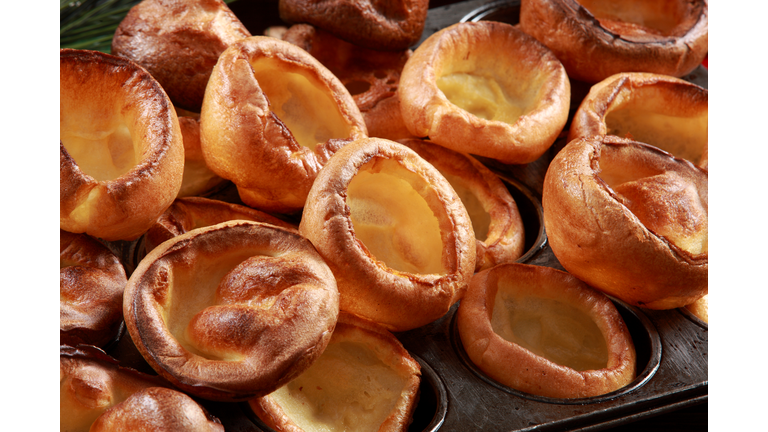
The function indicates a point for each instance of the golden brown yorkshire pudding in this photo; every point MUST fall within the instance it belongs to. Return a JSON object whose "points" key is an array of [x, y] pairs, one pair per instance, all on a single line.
{"points": [[544, 332], [660, 110], [364, 381], [121, 151], [393, 231], [388, 25], [231, 311], [700, 308], [91, 382], [178, 42], [497, 224], [198, 178], [157, 409], [629, 219], [186, 214], [92, 281], [485, 88], [271, 105], [595, 39], [371, 76]]}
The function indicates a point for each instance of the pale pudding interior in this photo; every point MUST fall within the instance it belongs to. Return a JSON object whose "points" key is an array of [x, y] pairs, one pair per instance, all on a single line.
{"points": [[348, 388], [299, 101], [549, 328], [481, 219], [660, 16], [392, 218]]}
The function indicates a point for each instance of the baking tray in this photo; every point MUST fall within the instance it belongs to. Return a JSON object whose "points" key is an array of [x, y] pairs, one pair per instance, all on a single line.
{"points": [[672, 345]]}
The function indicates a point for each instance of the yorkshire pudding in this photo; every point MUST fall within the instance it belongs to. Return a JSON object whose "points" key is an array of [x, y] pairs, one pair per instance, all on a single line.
{"points": [[595, 39], [121, 151], [544, 332], [393, 231], [629, 219], [271, 118], [660, 110], [92, 281], [364, 381], [198, 179], [497, 224], [485, 88], [186, 214], [232, 311], [178, 42], [390, 25], [90, 382], [700, 308], [371, 76]]}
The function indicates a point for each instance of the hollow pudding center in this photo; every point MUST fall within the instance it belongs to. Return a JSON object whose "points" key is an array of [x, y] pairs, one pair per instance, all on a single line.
{"points": [[549, 328], [657, 16], [485, 96], [301, 102], [348, 388], [392, 218]]}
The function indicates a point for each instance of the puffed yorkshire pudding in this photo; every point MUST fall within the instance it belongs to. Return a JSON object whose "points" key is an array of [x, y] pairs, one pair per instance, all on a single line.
{"points": [[198, 179], [393, 231], [485, 88], [232, 311], [700, 308], [497, 224], [660, 110], [595, 39], [371, 76], [364, 381], [186, 214], [92, 281], [178, 42], [121, 151], [388, 25], [544, 332], [90, 382], [271, 105], [629, 219], [157, 409]]}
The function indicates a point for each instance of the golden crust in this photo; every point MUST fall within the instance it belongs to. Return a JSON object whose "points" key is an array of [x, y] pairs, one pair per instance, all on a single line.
{"points": [[487, 89], [630, 220], [700, 308], [496, 221], [123, 167], [374, 24], [92, 281], [401, 278], [595, 39], [514, 365], [379, 345], [660, 110], [198, 178], [178, 42], [288, 124], [231, 311]]}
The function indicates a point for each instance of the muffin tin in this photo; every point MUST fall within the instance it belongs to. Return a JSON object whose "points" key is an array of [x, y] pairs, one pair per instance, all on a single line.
{"points": [[672, 345]]}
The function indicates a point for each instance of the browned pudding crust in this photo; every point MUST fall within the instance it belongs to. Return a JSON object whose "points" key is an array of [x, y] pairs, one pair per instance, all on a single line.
{"points": [[486, 89], [178, 42], [269, 104], [371, 76], [660, 110], [198, 178], [121, 150], [231, 311], [365, 380], [389, 25], [495, 218], [630, 220], [393, 231], [595, 39], [92, 281], [544, 332]]}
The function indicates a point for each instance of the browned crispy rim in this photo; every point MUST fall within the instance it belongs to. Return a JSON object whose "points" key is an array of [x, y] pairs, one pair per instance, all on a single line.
{"points": [[516, 367], [683, 98], [591, 52], [598, 239], [129, 204], [295, 341], [427, 112], [399, 301]]}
